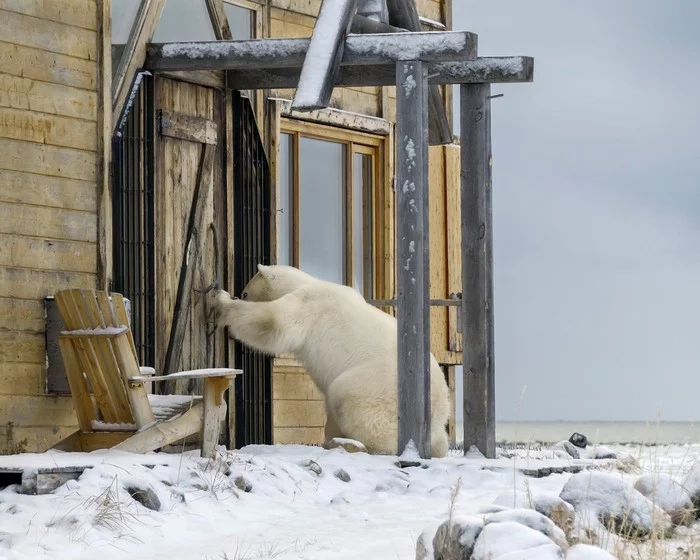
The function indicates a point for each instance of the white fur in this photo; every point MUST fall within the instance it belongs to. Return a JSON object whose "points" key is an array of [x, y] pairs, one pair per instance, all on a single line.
{"points": [[347, 346]]}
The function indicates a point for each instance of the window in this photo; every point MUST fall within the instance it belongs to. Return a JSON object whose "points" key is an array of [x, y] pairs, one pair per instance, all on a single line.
{"points": [[327, 212], [241, 21], [184, 20]]}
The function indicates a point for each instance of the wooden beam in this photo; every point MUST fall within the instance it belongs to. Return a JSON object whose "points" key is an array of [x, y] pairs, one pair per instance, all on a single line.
{"points": [[403, 13], [219, 21], [193, 243], [482, 70], [324, 54], [364, 24], [187, 127], [263, 54], [477, 271], [413, 277], [134, 54]]}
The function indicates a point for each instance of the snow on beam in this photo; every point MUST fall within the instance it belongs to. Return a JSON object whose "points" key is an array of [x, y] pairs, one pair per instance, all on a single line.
{"points": [[482, 70], [322, 60], [378, 48]]}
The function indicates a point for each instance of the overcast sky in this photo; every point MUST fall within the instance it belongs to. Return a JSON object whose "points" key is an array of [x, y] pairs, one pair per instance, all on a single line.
{"points": [[596, 208]]}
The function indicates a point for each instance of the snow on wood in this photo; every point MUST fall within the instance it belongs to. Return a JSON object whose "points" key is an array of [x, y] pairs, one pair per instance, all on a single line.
{"points": [[193, 374], [324, 55], [103, 331], [482, 70], [376, 48], [99, 426]]}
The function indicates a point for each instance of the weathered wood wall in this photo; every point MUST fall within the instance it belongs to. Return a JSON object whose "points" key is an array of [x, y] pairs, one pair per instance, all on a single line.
{"points": [[298, 408], [49, 122]]}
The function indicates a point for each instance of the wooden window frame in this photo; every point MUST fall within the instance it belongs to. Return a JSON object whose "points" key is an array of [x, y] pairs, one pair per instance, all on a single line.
{"points": [[354, 142]]}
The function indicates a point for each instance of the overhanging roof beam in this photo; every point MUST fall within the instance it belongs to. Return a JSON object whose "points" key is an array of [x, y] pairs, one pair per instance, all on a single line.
{"points": [[482, 70], [262, 54]]}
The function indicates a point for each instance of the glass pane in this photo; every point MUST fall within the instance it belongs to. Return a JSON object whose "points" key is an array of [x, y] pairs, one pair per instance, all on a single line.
{"points": [[361, 223], [123, 16], [184, 20], [240, 20], [284, 204], [321, 216]]}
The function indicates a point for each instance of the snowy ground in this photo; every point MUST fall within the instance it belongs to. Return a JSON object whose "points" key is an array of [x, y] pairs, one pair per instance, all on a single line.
{"points": [[293, 509]]}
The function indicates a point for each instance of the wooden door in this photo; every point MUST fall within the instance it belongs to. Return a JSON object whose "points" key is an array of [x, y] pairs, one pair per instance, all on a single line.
{"points": [[190, 232]]}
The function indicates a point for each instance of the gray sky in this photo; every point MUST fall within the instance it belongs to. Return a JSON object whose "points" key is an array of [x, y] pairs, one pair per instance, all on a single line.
{"points": [[596, 208]]}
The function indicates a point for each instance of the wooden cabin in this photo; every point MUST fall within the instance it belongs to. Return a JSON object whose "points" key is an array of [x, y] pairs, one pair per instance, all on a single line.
{"points": [[105, 167]]}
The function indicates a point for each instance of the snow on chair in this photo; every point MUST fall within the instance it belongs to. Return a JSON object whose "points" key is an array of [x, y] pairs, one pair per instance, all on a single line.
{"points": [[113, 408]]}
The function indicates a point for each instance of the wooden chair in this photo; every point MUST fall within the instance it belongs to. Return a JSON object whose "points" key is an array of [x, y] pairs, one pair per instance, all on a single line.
{"points": [[113, 408]]}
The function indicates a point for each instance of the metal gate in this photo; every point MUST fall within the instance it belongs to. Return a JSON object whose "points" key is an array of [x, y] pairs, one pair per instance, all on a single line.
{"points": [[251, 201], [133, 216]]}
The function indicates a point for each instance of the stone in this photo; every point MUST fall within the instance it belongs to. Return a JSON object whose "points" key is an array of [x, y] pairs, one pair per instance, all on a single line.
{"points": [[510, 540], [568, 448], [243, 484], [692, 487], [341, 474], [534, 520], [588, 552], [314, 467], [670, 496], [349, 445], [455, 538], [614, 504], [579, 440], [145, 496], [552, 506], [602, 452]]}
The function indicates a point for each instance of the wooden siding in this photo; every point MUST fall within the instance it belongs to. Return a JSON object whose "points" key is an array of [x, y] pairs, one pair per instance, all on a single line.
{"points": [[48, 202]]}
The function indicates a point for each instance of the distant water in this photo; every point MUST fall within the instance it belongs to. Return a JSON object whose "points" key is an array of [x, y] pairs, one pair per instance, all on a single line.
{"points": [[649, 433]]}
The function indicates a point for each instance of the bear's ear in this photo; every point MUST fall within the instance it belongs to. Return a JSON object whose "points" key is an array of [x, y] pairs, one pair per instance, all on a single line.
{"points": [[266, 272]]}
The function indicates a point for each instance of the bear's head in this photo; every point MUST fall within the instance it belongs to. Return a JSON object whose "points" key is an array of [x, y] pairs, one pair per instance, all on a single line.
{"points": [[274, 281]]}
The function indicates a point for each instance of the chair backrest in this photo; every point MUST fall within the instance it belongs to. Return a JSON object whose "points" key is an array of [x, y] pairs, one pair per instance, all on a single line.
{"points": [[96, 362]]}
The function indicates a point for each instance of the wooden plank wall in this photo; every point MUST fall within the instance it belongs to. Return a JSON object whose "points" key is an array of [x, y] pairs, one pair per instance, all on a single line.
{"points": [[48, 198], [298, 408]]}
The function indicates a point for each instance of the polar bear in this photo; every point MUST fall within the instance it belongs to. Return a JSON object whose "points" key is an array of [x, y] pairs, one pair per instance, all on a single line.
{"points": [[347, 346]]}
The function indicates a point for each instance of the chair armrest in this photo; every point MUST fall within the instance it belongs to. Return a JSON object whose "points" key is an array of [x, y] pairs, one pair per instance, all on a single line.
{"points": [[194, 374], [106, 332]]}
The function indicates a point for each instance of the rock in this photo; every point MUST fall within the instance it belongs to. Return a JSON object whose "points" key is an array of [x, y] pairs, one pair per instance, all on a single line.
{"points": [[579, 440], [145, 496], [588, 552], [692, 487], [512, 541], [534, 520], [405, 464], [567, 447], [615, 504], [455, 539], [670, 496], [314, 467], [602, 452], [341, 474], [350, 445], [424, 545], [550, 505], [243, 484]]}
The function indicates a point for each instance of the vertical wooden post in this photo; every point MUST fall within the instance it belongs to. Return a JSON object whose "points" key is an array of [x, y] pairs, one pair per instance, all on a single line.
{"points": [[413, 274], [477, 270]]}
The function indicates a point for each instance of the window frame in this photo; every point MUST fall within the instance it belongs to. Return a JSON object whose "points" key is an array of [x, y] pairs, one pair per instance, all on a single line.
{"points": [[354, 142]]}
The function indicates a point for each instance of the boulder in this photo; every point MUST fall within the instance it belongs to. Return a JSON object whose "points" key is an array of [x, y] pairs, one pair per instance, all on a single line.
{"points": [[349, 445], [588, 552], [566, 449], [455, 539], [534, 520], [512, 541], [620, 508], [670, 496]]}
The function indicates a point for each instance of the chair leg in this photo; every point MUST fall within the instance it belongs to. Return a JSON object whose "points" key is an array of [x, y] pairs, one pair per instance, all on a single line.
{"points": [[214, 413]]}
